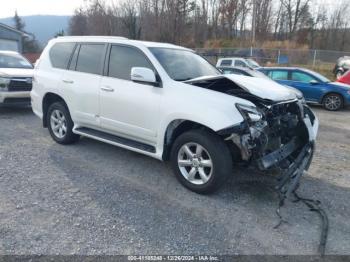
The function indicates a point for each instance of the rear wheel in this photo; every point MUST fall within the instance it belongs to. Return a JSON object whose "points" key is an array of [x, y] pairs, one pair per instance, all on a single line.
{"points": [[333, 102], [201, 161], [60, 124]]}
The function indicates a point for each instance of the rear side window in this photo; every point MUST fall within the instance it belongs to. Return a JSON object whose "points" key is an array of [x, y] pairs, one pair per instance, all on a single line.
{"points": [[278, 75], [60, 54], [226, 62], [90, 58], [123, 58]]}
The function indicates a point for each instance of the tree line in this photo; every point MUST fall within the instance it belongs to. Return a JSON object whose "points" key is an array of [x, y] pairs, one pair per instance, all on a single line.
{"points": [[219, 23]]}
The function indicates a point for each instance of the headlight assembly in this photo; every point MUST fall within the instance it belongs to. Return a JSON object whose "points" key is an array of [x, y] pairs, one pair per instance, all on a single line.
{"points": [[4, 83], [249, 113]]}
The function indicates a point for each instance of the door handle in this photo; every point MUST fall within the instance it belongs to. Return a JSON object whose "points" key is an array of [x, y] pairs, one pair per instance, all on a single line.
{"points": [[68, 81], [107, 89]]}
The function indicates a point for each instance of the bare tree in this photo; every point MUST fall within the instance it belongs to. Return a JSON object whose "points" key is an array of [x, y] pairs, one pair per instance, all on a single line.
{"points": [[263, 18], [195, 22], [295, 9], [129, 17]]}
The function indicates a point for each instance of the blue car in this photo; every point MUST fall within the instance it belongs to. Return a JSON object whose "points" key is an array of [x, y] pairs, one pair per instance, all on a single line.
{"points": [[315, 87]]}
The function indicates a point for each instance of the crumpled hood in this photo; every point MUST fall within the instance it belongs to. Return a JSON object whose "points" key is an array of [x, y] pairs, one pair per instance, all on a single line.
{"points": [[16, 72], [263, 88]]}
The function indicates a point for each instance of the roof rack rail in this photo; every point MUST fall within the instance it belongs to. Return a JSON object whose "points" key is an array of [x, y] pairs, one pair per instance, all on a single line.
{"points": [[93, 36]]}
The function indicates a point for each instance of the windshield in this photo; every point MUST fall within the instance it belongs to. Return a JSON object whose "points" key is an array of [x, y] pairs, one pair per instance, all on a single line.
{"points": [[252, 63], [13, 61], [182, 65]]}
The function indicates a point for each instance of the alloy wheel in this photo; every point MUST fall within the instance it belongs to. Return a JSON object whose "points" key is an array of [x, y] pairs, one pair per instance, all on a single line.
{"points": [[195, 163], [332, 102], [58, 123]]}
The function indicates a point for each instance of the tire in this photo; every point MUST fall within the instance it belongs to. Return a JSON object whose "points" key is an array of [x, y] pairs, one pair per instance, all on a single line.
{"points": [[60, 124], [333, 102], [213, 158]]}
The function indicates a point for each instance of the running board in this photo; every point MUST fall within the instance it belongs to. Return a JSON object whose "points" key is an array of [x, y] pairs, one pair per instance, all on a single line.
{"points": [[112, 139]]}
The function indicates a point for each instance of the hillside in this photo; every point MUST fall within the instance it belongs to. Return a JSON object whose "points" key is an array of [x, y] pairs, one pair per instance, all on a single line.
{"points": [[44, 27]]}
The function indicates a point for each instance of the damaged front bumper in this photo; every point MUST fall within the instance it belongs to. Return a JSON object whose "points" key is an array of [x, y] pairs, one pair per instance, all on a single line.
{"points": [[289, 178], [275, 157], [284, 141]]}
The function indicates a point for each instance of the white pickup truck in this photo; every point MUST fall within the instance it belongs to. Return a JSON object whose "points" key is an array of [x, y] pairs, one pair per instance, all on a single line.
{"points": [[16, 74], [167, 102]]}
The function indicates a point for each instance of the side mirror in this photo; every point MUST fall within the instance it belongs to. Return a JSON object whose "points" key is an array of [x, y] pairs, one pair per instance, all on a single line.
{"points": [[313, 82], [143, 75]]}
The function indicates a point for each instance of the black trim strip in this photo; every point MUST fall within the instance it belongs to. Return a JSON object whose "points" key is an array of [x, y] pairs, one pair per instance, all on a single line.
{"points": [[117, 139]]}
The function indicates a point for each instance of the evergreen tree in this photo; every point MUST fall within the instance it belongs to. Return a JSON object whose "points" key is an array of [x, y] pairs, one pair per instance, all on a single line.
{"points": [[59, 33], [19, 24], [30, 44]]}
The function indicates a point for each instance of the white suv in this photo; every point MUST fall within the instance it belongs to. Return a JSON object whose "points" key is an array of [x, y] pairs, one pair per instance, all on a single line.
{"points": [[166, 102], [16, 74]]}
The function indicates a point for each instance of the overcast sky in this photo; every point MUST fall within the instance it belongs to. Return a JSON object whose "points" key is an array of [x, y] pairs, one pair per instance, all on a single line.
{"points": [[63, 7], [38, 7]]}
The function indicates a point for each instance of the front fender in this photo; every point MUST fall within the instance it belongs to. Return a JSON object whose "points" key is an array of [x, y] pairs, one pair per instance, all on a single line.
{"points": [[212, 119]]}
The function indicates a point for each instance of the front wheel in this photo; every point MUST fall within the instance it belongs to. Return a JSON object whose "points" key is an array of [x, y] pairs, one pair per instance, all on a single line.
{"points": [[333, 102], [201, 161]]}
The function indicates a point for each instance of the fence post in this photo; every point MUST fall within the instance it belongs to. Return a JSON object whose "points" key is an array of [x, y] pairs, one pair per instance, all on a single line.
{"points": [[278, 57], [251, 51], [314, 60]]}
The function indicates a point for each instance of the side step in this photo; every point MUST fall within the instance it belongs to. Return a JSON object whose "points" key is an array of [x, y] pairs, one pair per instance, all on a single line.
{"points": [[114, 139]]}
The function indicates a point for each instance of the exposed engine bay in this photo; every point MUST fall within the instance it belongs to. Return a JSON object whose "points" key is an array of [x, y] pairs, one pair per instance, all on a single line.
{"points": [[273, 135]]}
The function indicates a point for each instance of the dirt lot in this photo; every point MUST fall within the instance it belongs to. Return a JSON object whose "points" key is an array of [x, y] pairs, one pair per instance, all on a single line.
{"points": [[93, 198]]}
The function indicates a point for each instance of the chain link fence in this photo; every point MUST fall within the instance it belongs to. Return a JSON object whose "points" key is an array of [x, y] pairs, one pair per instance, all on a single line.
{"points": [[283, 57]]}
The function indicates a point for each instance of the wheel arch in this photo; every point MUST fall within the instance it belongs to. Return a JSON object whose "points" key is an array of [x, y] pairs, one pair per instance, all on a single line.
{"points": [[48, 100], [177, 127], [329, 93]]}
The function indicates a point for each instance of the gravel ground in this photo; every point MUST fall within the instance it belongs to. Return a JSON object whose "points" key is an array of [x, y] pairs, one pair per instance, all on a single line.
{"points": [[93, 198]]}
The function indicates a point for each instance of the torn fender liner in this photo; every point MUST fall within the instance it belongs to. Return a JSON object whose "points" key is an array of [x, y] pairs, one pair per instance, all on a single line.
{"points": [[289, 179], [288, 184], [315, 206]]}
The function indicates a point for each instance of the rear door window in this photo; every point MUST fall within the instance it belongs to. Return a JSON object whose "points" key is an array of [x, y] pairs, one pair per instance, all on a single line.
{"points": [[60, 54], [90, 58], [278, 75]]}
